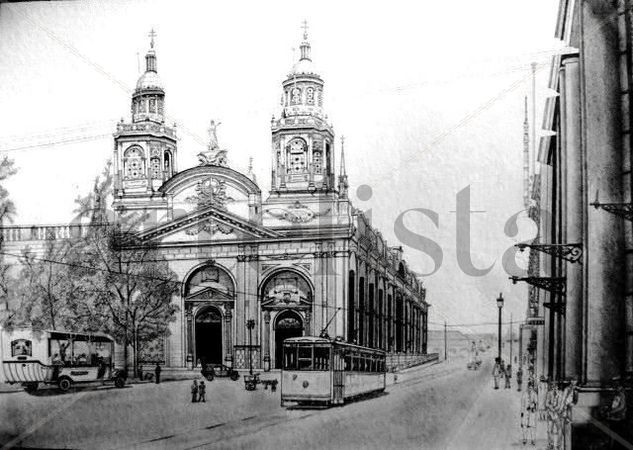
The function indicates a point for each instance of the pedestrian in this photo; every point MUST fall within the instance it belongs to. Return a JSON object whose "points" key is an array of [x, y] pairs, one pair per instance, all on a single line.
{"points": [[194, 391], [157, 373], [496, 373], [202, 390], [529, 405], [519, 378], [508, 374]]}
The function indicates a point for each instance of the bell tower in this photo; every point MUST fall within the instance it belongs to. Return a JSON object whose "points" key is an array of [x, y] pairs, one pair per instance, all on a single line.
{"points": [[145, 149], [302, 139]]}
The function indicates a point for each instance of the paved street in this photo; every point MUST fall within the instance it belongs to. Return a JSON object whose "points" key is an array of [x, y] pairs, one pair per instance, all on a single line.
{"points": [[443, 406]]}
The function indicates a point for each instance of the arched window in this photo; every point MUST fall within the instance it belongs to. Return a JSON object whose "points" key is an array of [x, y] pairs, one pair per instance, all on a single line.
{"points": [[286, 288], [296, 156], [209, 282], [351, 291], [167, 163], [295, 98], [134, 163]]}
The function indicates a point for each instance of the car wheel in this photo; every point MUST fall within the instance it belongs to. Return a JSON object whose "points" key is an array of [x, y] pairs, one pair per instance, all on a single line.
{"points": [[209, 377], [234, 376], [119, 382], [65, 384], [30, 387]]}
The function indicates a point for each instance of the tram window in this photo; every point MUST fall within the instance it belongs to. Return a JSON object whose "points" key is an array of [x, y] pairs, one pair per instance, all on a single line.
{"points": [[290, 357], [305, 358], [321, 358]]}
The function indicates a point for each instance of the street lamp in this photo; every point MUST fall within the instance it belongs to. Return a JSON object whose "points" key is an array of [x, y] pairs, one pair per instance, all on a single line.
{"points": [[500, 305], [250, 324]]}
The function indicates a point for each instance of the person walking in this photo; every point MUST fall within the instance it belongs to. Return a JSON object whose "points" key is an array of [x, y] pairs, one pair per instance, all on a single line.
{"points": [[202, 391], [157, 370], [194, 391], [507, 373], [519, 378], [496, 373]]}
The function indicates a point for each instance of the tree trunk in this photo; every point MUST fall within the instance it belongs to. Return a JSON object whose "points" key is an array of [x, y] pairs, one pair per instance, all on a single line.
{"points": [[135, 352]]}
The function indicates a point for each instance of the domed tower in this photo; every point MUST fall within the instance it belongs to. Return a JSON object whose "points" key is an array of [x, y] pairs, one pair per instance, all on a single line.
{"points": [[303, 141], [145, 148]]}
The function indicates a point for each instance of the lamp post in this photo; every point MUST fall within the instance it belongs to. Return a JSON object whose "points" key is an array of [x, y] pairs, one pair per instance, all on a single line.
{"points": [[500, 305], [250, 324]]}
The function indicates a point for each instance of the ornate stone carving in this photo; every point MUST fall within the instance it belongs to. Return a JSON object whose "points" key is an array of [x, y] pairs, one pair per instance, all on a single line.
{"points": [[296, 213], [210, 226], [286, 289], [210, 192]]}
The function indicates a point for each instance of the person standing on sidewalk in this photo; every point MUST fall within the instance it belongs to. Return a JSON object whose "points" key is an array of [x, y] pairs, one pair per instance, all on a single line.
{"points": [[496, 373], [202, 392], [519, 378], [157, 370], [529, 406], [194, 391]]}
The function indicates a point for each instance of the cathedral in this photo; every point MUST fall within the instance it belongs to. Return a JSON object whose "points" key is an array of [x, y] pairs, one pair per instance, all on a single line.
{"points": [[254, 272]]}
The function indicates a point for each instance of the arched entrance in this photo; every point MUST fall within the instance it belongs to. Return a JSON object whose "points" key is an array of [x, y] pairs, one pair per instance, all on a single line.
{"points": [[287, 325], [209, 335]]}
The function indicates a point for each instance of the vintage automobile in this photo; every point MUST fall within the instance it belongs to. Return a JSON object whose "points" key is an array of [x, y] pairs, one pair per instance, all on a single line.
{"points": [[210, 371], [32, 357]]}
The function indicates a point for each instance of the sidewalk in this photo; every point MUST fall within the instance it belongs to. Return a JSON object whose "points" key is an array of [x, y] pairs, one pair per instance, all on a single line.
{"points": [[494, 423]]}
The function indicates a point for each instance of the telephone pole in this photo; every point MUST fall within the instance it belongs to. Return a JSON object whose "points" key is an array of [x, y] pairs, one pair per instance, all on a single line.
{"points": [[445, 343]]}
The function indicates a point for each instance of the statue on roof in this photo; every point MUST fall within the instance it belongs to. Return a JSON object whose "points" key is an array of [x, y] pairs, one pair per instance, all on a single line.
{"points": [[213, 156]]}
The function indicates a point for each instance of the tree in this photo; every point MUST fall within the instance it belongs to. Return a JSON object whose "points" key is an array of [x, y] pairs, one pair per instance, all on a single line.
{"points": [[127, 277], [7, 214]]}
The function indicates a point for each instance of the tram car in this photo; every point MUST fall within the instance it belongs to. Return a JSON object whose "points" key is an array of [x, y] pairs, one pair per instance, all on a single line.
{"points": [[321, 372], [31, 358]]}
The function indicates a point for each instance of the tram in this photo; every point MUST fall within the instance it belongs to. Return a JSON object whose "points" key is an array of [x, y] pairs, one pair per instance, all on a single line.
{"points": [[324, 372], [31, 357]]}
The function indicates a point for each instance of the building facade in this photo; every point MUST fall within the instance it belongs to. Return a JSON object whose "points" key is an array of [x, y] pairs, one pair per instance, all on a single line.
{"points": [[254, 272], [580, 312]]}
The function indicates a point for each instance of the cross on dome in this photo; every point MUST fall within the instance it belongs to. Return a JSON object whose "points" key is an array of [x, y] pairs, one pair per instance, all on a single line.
{"points": [[305, 29], [151, 35]]}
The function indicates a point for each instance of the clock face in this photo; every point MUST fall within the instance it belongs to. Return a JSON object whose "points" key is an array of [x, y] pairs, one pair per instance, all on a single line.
{"points": [[297, 146]]}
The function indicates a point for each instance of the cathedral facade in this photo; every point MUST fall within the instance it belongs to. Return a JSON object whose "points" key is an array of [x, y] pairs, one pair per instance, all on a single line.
{"points": [[255, 272]]}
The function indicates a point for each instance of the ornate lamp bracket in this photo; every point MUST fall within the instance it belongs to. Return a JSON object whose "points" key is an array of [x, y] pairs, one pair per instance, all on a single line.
{"points": [[551, 284], [568, 252], [624, 210]]}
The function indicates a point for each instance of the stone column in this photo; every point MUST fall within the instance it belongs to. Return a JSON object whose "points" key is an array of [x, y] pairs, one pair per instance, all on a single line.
{"points": [[571, 159], [604, 239], [266, 341], [228, 334], [189, 331]]}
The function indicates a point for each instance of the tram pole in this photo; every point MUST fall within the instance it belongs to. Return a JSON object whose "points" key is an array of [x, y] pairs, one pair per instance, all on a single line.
{"points": [[445, 343]]}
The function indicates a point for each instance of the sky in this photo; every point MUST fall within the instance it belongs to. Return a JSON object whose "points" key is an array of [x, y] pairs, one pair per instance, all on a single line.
{"points": [[429, 96]]}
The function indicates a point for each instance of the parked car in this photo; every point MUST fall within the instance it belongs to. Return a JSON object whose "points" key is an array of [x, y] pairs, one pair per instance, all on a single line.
{"points": [[210, 371]]}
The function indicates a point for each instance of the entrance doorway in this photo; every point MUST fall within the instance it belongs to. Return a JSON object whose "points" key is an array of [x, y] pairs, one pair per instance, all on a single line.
{"points": [[209, 336], [287, 325]]}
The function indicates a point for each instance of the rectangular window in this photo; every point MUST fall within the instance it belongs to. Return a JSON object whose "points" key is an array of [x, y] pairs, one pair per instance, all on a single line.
{"points": [[305, 357], [321, 358], [290, 357]]}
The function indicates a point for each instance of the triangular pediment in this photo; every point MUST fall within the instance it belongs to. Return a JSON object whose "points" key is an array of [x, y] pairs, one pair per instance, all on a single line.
{"points": [[209, 222], [209, 293]]}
